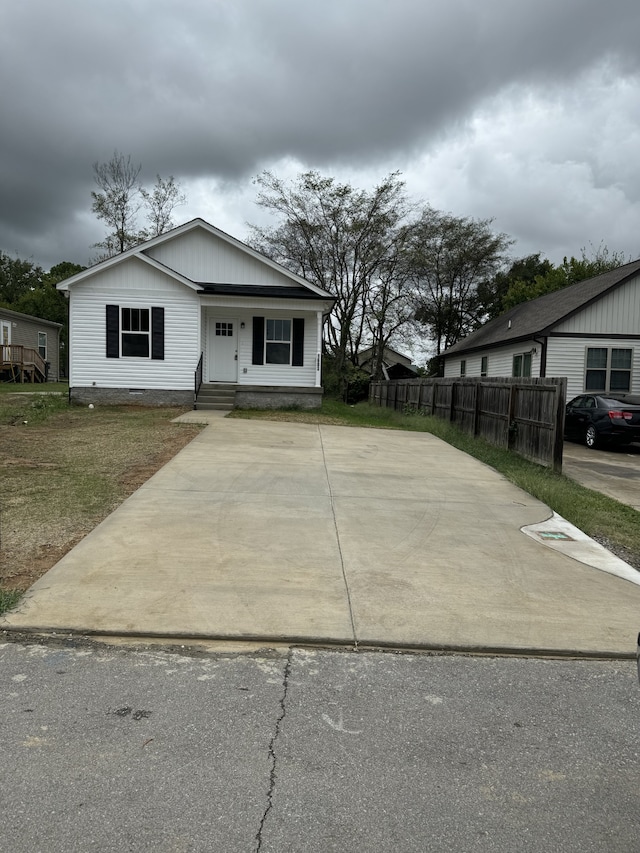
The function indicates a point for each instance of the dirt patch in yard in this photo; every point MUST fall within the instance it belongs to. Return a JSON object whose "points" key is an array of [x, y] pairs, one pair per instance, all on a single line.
{"points": [[66, 469]]}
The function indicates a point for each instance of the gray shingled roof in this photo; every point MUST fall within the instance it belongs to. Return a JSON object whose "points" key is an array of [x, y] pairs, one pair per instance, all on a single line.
{"points": [[538, 316], [260, 290]]}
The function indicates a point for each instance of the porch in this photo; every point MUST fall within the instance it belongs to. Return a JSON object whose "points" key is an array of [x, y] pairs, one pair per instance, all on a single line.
{"points": [[22, 364]]}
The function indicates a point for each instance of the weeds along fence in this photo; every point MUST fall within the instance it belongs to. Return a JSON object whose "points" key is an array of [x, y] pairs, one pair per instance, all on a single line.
{"points": [[522, 415]]}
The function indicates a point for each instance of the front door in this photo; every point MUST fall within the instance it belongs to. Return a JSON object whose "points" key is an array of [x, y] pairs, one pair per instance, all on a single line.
{"points": [[223, 350], [5, 340]]}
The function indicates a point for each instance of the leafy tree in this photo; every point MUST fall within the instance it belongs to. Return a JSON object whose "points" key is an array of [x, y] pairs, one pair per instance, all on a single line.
{"points": [[116, 202], [17, 277], [568, 272], [348, 242], [121, 197], [160, 204], [450, 258], [492, 292]]}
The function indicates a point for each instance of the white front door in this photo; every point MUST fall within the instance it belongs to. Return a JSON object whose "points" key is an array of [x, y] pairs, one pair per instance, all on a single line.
{"points": [[223, 350], [5, 339]]}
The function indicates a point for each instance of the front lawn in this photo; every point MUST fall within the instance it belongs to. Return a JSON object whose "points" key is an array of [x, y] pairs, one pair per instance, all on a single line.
{"points": [[65, 468]]}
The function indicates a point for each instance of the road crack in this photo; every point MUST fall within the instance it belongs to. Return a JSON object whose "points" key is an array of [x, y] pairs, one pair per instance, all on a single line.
{"points": [[273, 775]]}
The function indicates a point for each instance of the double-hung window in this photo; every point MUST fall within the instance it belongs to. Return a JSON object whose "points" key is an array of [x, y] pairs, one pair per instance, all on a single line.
{"points": [[42, 345], [521, 364], [277, 342], [135, 330], [608, 369]]}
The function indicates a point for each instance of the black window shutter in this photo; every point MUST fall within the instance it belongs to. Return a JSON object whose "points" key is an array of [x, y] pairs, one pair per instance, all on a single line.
{"points": [[297, 354], [258, 341], [157, 333], [113, 331]]}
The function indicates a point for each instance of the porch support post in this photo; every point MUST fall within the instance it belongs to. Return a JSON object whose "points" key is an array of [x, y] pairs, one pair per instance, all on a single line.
{"points": [[319, 350]]}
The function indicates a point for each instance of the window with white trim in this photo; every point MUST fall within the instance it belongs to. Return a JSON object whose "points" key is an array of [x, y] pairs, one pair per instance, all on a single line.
{"points": [[277, 342], [521, 364], [42, 345], [484, 365], [463, 367], [136, 333], [608, 369]]}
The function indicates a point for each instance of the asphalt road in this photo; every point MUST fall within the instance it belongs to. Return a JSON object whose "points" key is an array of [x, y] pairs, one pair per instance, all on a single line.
{"points": [[308, 750]]}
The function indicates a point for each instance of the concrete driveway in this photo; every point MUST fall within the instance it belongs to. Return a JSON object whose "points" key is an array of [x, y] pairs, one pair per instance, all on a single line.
{"points": [[303, 533], [614, 471]]}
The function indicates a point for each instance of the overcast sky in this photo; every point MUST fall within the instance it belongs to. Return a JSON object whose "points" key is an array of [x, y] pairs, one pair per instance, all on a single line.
{"points": [[524, 111]]}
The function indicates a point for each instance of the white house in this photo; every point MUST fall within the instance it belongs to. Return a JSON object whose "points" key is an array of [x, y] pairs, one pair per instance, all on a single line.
{"points": [[194, 309], [588, 332]]}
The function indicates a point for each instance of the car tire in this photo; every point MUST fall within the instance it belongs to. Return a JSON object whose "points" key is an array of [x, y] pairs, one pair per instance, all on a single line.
{"points": [[591, 438]]}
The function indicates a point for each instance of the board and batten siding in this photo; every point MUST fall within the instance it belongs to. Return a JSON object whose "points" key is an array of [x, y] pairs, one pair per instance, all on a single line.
{"points": [[133, 284], [267, 374], [615, 313], [568, 357], [500, 360], [203, 257]]}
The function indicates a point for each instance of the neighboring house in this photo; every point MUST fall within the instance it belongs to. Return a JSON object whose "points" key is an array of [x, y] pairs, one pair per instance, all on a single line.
{"points": [[395, 365], [194, 305], [588, 332], [30, 348]]}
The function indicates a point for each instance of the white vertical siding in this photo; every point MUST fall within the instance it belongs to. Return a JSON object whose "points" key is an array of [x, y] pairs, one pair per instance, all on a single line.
{"points": [[616, 313], [203, 257], [133, 284]]}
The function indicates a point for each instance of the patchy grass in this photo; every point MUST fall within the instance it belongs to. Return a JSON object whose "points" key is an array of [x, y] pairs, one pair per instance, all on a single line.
{"points": [[33, 388], [65, 468], [604, 519], [9, 598]]}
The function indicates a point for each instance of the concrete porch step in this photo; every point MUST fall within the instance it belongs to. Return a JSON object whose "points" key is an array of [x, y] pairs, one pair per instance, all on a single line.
{"points": [[216, 397]]}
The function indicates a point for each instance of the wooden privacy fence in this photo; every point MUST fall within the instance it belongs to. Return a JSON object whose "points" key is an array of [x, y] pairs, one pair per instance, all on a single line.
{"points": [[523, 415]]}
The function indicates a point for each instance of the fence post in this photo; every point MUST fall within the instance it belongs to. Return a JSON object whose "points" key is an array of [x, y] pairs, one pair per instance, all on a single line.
{"points": [[511, 433], [558, 431], [476, 406]]}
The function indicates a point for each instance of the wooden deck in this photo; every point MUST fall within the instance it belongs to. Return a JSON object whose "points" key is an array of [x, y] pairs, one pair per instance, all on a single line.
{"points": [[21, 364]]}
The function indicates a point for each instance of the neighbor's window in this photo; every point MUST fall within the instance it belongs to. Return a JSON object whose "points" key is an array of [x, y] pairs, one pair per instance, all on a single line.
{"points": [[484, 365], [277, 343], [608, 369], [42, 345], [135, 332], [463, 367], [521, 364]]}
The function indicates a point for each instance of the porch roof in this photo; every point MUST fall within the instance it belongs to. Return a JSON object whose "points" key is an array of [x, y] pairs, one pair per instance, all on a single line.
{"points": [[261, 291]]}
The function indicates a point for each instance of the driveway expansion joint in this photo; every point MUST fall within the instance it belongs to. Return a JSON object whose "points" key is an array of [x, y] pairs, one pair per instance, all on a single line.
{"points": [[335, 524]]}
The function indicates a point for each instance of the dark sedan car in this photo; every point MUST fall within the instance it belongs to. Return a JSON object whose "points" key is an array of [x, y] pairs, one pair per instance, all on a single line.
{"points": [[599, 419]]}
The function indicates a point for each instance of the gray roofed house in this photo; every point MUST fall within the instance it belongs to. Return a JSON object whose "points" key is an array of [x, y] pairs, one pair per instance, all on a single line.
{"points": [[29, 348], [588, 332]]}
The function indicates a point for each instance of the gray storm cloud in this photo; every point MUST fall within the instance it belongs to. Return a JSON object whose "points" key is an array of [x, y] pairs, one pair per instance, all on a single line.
{"points": [[220, 90]]}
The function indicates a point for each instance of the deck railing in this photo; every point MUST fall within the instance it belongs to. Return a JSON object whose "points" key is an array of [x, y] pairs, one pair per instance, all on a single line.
{"points": [[23, 364]]}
